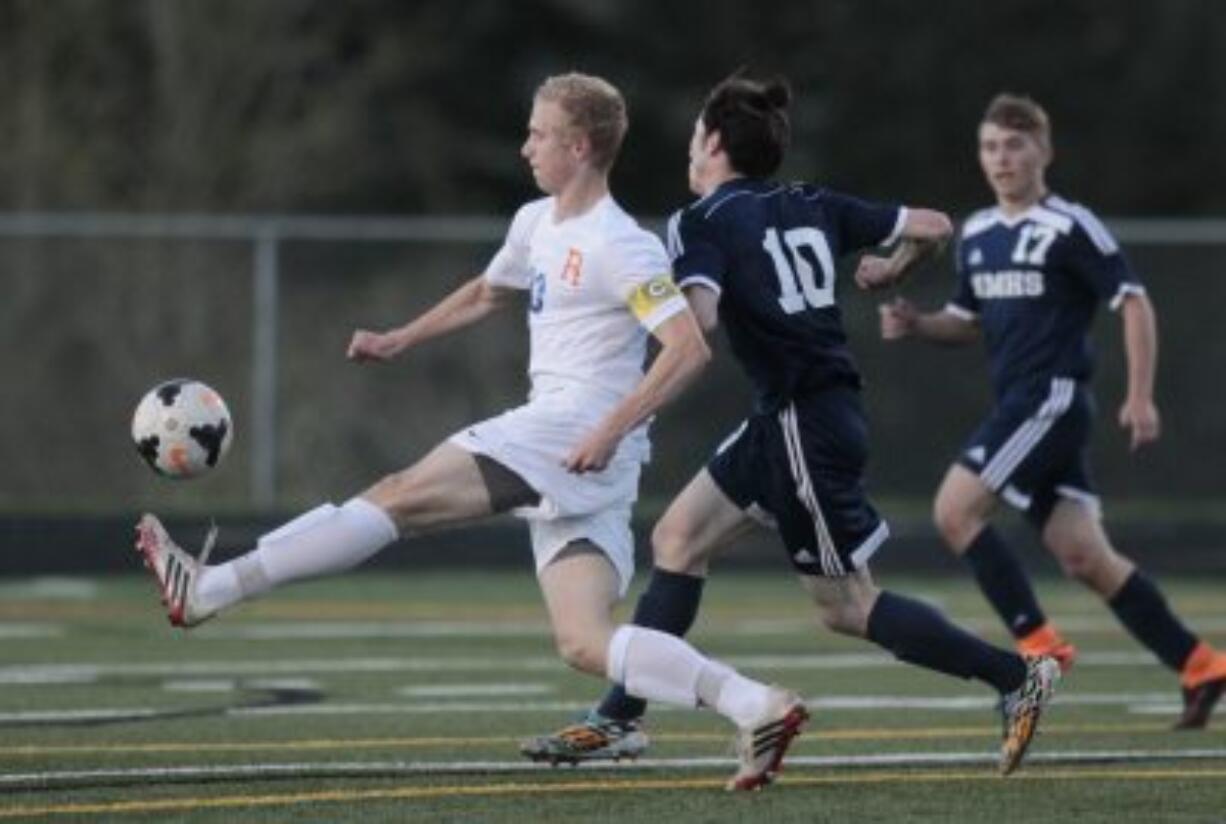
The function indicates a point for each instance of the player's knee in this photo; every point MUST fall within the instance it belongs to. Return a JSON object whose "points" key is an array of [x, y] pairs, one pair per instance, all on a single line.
{"points": [[1079, 561], [953, 521], [672, 546], [402, 496], [844, 618], [391, 490], [1098, 567], [579, 652]]}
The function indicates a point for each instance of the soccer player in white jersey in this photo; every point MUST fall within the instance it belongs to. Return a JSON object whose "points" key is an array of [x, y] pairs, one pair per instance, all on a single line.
{"points": [[567, 461], [1031, 272]]}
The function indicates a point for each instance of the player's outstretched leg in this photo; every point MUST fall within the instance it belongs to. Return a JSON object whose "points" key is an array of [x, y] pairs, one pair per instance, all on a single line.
{"points": [[594, 737], [1023, 707], [177, 573]]}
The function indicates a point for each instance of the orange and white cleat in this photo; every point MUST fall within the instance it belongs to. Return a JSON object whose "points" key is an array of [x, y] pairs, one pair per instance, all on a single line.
{"points": [[761, 747], [1023, 707], [175, 570]]}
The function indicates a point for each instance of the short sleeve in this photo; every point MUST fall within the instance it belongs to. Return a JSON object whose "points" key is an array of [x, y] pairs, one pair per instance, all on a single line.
{"points": [[639, 274], [697, 258], [964, 303], [1096, 258], [510, 264], [861, 223]]}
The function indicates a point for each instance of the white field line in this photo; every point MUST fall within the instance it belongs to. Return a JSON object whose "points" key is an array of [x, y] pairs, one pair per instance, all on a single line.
{"points": [[51, 587], [962, 703], [60, 673], [1148, 703], [226, 685], [473, 690], [360, 630], [21, 631], [357, 630], [341, 769]]}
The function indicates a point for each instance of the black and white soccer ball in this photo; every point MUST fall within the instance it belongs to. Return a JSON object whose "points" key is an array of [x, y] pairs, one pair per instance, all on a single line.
{"points": [[182, 428]]}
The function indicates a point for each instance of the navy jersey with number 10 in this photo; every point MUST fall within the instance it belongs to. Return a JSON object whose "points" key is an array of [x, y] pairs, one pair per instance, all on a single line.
{"points": [[769, 251]]}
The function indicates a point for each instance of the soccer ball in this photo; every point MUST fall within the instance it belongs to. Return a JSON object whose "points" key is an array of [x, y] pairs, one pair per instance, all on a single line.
{"points": [[182, 428]]}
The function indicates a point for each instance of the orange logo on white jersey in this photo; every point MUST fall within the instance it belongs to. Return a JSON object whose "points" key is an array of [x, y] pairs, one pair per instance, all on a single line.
{"points": [[571, 270]]}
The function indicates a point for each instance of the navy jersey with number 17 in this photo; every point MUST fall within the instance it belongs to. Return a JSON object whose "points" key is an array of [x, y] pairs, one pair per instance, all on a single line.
{"points": [[768, 250], [1034, 281]]}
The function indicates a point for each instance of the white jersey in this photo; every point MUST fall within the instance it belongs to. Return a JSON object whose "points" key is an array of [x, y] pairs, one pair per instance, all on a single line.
{"points": [[598, 284]]}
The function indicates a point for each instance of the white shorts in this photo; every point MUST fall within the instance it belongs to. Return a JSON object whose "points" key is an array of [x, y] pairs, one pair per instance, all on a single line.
{"points": [[532, 440]]}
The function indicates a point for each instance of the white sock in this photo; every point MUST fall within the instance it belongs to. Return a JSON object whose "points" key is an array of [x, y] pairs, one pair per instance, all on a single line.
{"points": [[661, 667], [327, 539], [734, 696]]}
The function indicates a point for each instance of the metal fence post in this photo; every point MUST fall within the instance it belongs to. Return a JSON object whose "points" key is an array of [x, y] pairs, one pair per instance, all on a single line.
{"points": [[265, 321]]}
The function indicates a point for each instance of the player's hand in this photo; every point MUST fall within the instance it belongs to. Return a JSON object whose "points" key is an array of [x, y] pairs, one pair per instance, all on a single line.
{"points": [[367, 346], [593, 453], [897, 318], [1140, 417], [875, 273]]}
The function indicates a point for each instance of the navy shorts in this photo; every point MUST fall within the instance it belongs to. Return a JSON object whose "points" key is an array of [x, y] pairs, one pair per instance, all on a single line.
{"points": [[801, 470], [1033, 449]]}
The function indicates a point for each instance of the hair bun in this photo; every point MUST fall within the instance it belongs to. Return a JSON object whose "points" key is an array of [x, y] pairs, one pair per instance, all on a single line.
{"points": [[777, 93]]}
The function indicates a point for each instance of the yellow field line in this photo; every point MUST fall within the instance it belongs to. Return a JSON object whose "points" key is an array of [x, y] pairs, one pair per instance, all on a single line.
{"points": [[490, 790], [875, 734]]}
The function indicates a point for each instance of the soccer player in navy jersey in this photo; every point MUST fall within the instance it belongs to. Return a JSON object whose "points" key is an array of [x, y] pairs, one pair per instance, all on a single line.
{"points": [[1031, 273], [758, 256]]}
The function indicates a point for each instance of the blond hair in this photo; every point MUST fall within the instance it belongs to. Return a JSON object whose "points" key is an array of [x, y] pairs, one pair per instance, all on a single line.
{"points": [[1021, 114], [595, 107]]}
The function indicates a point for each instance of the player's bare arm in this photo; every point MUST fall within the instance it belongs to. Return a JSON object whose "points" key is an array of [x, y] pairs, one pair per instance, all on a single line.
{"points": [[683, 354], [901, 319], [463, 307], [704, 303], [924, 234], [1139, 414]]}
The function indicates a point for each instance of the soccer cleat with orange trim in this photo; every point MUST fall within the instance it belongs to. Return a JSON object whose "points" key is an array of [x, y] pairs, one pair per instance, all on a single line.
{"points": [[176, 571], [1023, 707], [1047, 640], [593, 738], [1204, 681], [761, 747]]}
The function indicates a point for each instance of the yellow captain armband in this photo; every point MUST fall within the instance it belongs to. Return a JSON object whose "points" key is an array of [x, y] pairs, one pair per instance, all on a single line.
{"points": [[649, 296]]}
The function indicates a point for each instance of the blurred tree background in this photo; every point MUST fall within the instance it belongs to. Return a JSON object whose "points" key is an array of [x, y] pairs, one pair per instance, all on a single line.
{"points": [[410, 108], [391, 107]]}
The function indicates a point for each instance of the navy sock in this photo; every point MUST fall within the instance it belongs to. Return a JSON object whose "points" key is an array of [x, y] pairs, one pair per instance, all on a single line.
{"points": [[669, 604], [1004, 582], [1145, 613], [918, 634]]}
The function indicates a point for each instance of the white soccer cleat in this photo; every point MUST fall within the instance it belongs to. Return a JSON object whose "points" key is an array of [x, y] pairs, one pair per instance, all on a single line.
{"points": [[1024, 706], [176, 571], [761, 747]]}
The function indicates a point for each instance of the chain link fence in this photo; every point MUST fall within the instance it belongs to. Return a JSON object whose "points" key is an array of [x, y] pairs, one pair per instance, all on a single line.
{"points": [[98, 308]]}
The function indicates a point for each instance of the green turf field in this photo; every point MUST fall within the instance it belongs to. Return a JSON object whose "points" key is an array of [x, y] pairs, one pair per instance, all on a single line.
{"points": [[400, 697]]}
